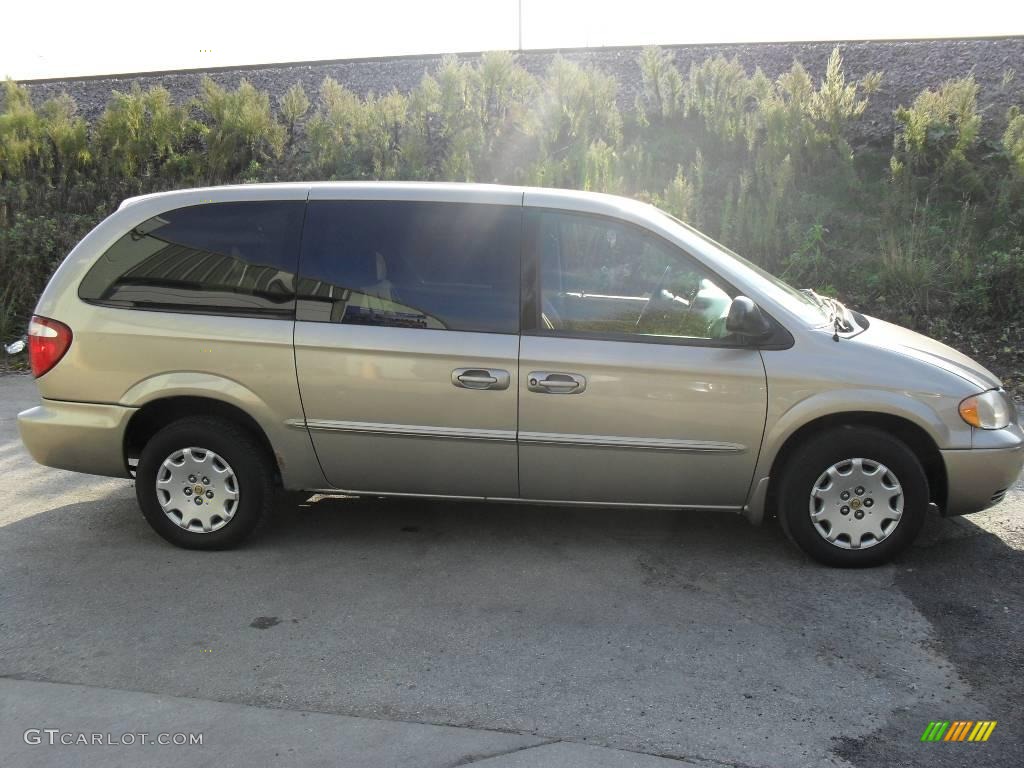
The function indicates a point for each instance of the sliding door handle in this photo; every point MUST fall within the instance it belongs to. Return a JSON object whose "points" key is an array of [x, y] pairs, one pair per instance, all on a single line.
{"points": [[480, 378], [553, 383]]}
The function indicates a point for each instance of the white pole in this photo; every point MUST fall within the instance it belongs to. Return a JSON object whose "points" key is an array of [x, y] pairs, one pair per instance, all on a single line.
{"points": [[520, 25]]}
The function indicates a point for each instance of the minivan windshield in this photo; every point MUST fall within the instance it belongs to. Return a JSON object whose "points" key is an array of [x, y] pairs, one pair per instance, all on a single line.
{"points": [[800, 303]]}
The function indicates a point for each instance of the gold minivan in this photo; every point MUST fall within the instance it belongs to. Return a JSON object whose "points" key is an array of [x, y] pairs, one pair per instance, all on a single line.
{"points": [[486, 342]]}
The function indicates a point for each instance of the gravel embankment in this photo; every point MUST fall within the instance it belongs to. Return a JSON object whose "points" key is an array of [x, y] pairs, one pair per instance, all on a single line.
{"points": [[908, 66]]}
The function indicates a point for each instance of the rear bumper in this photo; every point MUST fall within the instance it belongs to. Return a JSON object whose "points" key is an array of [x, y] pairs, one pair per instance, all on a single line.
{"points": [[979, 477], [81, 437]]}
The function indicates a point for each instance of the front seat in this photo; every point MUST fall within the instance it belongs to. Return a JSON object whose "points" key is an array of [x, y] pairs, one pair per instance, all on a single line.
{"points": [[379, 286], [368, 289]]}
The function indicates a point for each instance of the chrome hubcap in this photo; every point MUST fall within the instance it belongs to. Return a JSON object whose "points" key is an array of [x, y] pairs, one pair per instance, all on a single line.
{"points": [[856, 503], [197, 490]]}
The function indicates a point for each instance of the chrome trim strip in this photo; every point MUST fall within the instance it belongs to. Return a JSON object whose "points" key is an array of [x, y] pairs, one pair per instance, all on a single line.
{"points": [[640, 443], [404, 430], [509, 436]]}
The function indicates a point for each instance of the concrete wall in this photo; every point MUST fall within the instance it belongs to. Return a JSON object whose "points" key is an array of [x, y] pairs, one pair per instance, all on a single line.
{"points": [[908, 67]]}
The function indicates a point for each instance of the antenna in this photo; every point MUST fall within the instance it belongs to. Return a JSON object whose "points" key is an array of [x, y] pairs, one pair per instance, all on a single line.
{"points": [[520, 25]]}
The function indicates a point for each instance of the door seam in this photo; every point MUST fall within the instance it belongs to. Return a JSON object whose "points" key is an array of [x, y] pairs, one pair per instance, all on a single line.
{"points": [[295, 351], [764, 430], [519, 342]]}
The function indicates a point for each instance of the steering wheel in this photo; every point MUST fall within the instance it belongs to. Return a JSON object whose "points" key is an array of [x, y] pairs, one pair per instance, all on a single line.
{"points": [[549, 315], [655, 295]]}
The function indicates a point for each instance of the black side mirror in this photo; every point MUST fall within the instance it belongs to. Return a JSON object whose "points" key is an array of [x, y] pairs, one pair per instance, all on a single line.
{"points": [[747, 321]]}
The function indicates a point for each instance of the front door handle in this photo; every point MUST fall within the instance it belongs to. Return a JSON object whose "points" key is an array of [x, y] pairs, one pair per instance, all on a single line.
{"points": [[480, 378], [554, 383]]}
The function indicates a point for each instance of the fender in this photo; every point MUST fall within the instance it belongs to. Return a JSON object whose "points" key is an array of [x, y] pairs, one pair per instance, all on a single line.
{"points": [[300, 469], [197, 384], [920, 409]]}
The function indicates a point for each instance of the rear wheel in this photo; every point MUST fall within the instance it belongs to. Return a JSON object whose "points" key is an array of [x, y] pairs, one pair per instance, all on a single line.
{"points": [[204, 483], [853, 496]]}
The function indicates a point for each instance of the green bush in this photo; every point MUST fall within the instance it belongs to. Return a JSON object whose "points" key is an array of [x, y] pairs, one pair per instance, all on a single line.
{"points": [[239, 130], [144, 134]]}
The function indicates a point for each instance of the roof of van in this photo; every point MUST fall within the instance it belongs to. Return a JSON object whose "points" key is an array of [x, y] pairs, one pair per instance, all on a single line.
{"points": [[395, 190]]}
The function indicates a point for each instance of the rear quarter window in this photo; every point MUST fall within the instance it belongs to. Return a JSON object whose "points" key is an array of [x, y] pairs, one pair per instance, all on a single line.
{"points": [[218, 258]]}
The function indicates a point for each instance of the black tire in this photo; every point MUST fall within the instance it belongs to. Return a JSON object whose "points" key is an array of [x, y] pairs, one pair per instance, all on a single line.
{"points": [[823, 451], [248, 460]]}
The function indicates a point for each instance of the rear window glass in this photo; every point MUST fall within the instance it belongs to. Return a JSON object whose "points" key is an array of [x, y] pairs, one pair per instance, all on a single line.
{"points": [[223, 258], [445, 266]]}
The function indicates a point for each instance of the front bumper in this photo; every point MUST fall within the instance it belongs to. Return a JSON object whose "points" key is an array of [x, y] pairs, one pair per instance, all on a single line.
{"points": [[979, 477], [81, 437]]}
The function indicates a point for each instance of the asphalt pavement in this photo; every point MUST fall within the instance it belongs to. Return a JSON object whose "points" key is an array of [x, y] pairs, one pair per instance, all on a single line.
{"points": [[425, 633]]}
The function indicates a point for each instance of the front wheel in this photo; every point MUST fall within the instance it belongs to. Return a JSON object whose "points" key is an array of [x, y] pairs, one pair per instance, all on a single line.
{"points": [[204, 483], [853, 496]]}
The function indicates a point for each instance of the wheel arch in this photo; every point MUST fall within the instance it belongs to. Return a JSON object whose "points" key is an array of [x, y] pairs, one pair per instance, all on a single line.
{"points": [[158, 413], [916, 438]]}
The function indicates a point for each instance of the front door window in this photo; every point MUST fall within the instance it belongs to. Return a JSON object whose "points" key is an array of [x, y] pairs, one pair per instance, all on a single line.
{"points": [[600, 276]]}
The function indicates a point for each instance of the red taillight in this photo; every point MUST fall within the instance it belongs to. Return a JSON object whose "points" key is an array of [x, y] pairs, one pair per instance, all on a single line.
{"points": [[48, 340]]}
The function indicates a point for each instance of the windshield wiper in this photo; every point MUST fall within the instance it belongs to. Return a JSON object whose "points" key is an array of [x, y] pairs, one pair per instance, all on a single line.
{"points": [[838, 314], [813, 294]]}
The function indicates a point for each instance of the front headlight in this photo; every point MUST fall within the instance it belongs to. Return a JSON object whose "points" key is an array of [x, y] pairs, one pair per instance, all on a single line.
{"points": [[989, 410]]}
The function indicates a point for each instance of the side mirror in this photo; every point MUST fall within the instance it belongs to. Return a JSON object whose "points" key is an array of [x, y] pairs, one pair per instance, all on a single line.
{"points": [[746, 320]]}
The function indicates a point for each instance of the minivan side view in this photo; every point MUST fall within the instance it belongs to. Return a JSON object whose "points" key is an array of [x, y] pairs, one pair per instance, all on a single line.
{"points": [[492, 343]]}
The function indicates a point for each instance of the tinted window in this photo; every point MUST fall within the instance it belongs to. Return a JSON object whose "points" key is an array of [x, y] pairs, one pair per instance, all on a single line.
{"points": [[602, 276], [225, 258], [411, 265]]}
